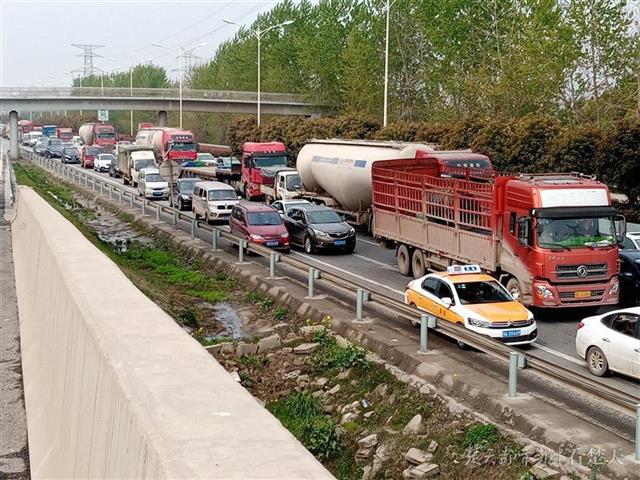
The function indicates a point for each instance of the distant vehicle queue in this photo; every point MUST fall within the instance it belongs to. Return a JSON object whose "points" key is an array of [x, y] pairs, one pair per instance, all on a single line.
{"points": [[546, 240]]}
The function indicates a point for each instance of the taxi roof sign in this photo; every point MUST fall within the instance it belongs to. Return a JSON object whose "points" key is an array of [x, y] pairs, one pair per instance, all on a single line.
{"points": [[460, 269]]}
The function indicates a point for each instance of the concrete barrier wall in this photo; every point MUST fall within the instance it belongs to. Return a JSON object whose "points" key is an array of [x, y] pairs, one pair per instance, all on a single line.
{"points": [[114, 387]]}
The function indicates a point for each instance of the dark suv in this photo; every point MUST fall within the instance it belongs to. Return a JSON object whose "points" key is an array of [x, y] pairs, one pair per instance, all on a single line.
{"points": [[181, 192], [316, 227], [70, 155], [54, 148]]}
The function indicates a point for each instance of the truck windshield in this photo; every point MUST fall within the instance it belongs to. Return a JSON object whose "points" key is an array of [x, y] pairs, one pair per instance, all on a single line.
{"points": [[147, 162], [222, 195], [106, 135], [264, 218], [184, 147], [481, 292], [575, 232], [294, 182], [94, 151], [154, 177], [279, 161]]}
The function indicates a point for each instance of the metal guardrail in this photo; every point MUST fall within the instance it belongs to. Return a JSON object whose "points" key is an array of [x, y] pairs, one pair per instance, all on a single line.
{"points": [[561, 375], [146, 93]]}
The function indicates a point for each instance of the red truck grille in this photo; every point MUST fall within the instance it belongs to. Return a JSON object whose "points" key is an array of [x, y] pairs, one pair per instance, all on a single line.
{"points": [[579, 271]]}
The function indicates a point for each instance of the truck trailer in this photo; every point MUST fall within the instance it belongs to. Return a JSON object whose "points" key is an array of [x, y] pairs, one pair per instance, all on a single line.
{"points": [[550, 239], [132, 158]]}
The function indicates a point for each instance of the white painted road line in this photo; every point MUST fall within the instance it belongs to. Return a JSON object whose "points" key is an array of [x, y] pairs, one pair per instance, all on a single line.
{"points": [[382, 264], [368, 241], [386, 287], [559, 354]]}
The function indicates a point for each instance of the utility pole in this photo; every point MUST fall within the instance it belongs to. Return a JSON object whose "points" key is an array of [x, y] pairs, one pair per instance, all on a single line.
{"points": [[88, 54]]}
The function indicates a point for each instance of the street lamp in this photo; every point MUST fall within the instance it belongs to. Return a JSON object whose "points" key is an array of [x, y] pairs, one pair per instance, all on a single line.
{"points": [[258, 33], [183, 52], [386, 65]]}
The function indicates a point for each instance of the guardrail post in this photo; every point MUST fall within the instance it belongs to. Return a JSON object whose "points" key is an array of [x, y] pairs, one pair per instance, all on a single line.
{"points": [[215, 237], [513, 374], [175, 219], [242, 244], [311, 283], [273, 258], [158, 211], [424, 328], [359, 303], [142, 203], [637, 455], [102, 189], [120, 197], [131, 200], [194, 225], [110, 192]]}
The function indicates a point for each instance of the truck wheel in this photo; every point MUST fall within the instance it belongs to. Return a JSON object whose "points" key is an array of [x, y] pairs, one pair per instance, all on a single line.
{"points": [[125, 181], [403, 257], [245, 192], [513, 286], [417, 263]]}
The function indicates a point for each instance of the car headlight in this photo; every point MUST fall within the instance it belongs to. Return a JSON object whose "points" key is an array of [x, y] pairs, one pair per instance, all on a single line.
{"points": [[352, 231], [256, 237], [476, 322], [543, 291], [613, 290], [185, 197], [320, 233], [284, 235]]}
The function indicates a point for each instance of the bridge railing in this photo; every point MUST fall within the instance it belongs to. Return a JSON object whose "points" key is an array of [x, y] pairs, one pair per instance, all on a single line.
{"points": [[120, 92]]}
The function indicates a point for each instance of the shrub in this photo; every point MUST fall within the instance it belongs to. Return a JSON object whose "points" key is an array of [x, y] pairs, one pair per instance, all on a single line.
{"points": [[280, 313], [331, 356], [484, 434]]}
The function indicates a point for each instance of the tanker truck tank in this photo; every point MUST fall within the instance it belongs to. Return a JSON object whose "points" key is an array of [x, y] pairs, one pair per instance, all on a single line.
{"points": [[342, 168]]}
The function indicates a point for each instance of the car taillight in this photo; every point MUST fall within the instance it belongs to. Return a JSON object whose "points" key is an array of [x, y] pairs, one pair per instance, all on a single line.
{"points": [[580, 325]]}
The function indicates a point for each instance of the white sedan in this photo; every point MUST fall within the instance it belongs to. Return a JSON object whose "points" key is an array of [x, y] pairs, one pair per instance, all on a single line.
{"points": [[611, 342]]}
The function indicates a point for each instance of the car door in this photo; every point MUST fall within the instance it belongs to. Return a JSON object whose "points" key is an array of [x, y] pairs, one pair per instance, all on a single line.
{"points": [[141, 183], [445, 291], [233, 221], [278, 206], [620, 343], [243, 229], [426, 299], [293, 222]]}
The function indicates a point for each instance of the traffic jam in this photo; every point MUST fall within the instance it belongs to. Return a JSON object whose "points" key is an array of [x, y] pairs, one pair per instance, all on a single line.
{"points": [[487, 251]]}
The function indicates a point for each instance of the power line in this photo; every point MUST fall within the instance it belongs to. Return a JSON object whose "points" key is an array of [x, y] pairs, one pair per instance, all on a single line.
{"points": [[88, 54]]}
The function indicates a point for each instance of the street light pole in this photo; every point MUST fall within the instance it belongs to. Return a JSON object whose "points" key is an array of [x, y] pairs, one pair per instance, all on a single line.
{"points": [[258, 33], [386, 65], [131, 95], [180, 67]]}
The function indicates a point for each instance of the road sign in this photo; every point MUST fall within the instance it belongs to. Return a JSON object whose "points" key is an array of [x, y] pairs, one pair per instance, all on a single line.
{"points": [[169, 170], [103, 115]]}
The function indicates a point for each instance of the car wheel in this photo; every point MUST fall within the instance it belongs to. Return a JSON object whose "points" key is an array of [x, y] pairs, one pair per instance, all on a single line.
{"points": [[197, 217], [513, 286], [597, 362], [180, 205], [308, 245], [404, 260]]}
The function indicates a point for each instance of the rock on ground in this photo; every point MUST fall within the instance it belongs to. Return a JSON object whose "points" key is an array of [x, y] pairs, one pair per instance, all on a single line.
{"points": [[413, 426], [369, 441], [269, 343], [306, 348], [417, 456]]}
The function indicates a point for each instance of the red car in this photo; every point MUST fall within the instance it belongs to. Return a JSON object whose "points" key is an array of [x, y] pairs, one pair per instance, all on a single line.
{"points": [[260, 224]]}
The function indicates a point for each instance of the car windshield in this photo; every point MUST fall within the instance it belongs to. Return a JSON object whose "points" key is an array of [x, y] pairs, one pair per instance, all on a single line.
{"points": [[575, 232], [276, 161], [323, 216], [154, 177], [184, 147], [139, 164], [294, 182], [105, 156], [186, 186], [222, 195], [71, 151], [264, 218], [481, 292], [55, 142], [206, 157]]}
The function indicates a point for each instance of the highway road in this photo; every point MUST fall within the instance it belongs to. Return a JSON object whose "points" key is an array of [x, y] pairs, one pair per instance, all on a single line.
{"points": [[375, 265]]}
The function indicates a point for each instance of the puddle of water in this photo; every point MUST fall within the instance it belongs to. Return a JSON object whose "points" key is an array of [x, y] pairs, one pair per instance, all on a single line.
{"points": [[225, 314]]}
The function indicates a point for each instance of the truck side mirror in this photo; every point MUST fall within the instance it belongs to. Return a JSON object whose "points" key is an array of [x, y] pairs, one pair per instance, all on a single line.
{"points": [[524, 232], [621, 228]]}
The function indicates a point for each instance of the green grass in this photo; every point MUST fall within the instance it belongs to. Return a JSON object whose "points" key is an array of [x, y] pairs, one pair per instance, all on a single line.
{"points": [[330, 358]]}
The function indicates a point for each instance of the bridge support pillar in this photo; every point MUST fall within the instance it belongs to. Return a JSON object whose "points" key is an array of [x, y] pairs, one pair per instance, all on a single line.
{"points": [[162, 118], [14, 154]]}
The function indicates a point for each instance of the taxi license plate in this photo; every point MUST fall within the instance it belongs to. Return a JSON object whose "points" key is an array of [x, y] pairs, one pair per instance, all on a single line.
{"points": [[511, 333], [583, 294], [340, 242], [272, 244]]}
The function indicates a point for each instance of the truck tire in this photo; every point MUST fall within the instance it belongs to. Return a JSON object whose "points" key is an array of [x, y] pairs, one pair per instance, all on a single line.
{"points": [[514, 288], [125, 181], [418, 264], [403, 257]]}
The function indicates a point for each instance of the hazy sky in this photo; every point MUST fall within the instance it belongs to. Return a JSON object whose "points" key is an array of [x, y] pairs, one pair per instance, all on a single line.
{"points": [[36, 36]]}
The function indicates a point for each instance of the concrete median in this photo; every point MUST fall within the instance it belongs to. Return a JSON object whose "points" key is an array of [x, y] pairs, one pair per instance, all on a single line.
{"points": [[114, 387]]}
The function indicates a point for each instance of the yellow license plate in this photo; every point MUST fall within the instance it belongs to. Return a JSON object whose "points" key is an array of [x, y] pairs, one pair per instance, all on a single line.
{"points": [[583, 294]]}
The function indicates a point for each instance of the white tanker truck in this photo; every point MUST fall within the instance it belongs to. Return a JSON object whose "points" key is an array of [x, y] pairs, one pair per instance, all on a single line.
{"points": [[337, 173]]}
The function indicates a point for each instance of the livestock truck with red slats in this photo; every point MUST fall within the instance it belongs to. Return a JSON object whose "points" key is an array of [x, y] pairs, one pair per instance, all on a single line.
{"points": [[550, 239]]}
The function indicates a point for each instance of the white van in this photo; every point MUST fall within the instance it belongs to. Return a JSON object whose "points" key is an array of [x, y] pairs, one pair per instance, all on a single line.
{"points": [[34, 137], [213, 200], [151, 184]]}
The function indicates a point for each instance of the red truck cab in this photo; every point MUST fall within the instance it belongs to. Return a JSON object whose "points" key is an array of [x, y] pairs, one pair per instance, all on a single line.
{"points": [[104, 135], [179, 145], [65, 134], [260, 163]]}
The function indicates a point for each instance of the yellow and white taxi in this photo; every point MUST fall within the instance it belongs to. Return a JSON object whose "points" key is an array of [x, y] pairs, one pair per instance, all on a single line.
{"points": [[465, 295]]}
